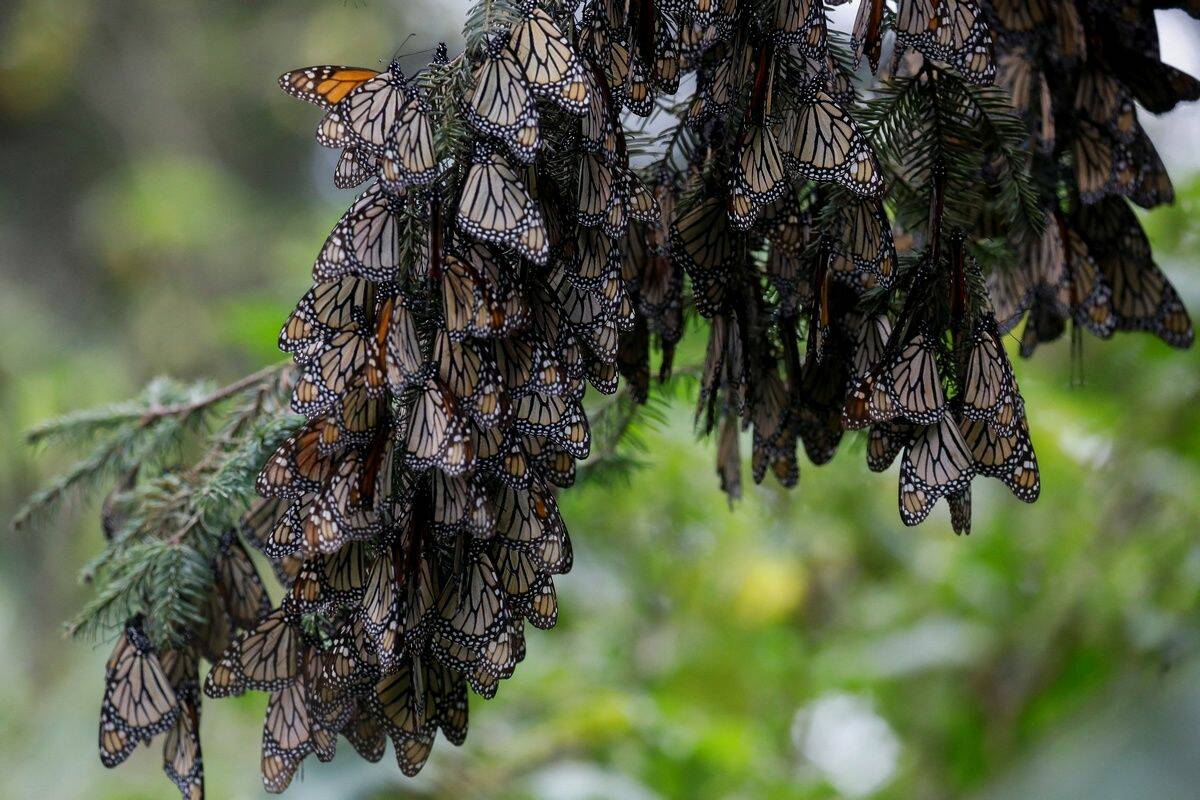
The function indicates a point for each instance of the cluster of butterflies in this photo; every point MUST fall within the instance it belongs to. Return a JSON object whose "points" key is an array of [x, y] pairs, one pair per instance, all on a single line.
{"points": [[504, 254], [1076, 72]]}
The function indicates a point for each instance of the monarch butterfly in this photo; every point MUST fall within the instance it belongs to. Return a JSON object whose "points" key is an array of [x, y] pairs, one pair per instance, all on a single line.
{"points": [[348, 506], [641, 204], [350, 664], [1015, 74], [950, 31], [499, 657], [590, 259], [774, 442], [657, 288], [597, 126], [989, 390], [367, 242], [331, 374], [461, 504], [398, 702], [237, 581], [257, 527], [404, 361], [1056, 279], [729, 459], [1142, 296], [364, 734], [182, 760], [327, 581], [371, 110], [499, 454], [265, 659], [343, 574], [324, 86], [1153, 186], [1103, 100], [596, 191], [822, 143], [758, 177], [495, 207], [1071, 40], [436, 433], [668, 57], [516, 569], [557, 418], [329, 706], [1009, 457], [1158, 86], [528, 364], [548, 61], [354, 167], [1103, 165], [703, 244], [479, 295], [1021, 16], [380, 611], [715, 92], [581, 308], [450, 702], [139, 702], [936, 463], [724, 370], [788, 223], [364, 409], [288, 736], [298, 466], [634, 92], [531, 519], [867, 37], [885, 441], [801, 23], [632, 363], [539, 604], [409, 158], [906, 385], [873, 336], [501, 105], [862, 253], [790, 277], [470, 373], [472, 609], [552, 464], [323, 310]]}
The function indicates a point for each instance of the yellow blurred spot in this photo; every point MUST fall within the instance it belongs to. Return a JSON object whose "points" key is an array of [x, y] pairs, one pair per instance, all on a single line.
{"points": [[769, 588]]}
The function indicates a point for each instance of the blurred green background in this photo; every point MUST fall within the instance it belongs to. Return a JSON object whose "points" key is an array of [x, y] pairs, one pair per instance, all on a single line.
{"points": [[160, 204]]}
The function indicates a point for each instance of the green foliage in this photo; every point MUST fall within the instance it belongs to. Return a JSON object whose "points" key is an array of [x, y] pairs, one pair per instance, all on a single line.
{"points": [[936, 133], [182, 458]]}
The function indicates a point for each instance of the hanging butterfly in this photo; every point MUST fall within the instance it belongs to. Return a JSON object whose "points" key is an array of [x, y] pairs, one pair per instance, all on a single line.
{"points": [[936, 463], [139, 702], [548, 61], [496, 207], [821, 142], [501, 104], [265, 659]]}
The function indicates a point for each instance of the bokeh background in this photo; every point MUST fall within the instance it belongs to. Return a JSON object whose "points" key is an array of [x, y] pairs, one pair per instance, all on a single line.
{"points": [[160, 204]]}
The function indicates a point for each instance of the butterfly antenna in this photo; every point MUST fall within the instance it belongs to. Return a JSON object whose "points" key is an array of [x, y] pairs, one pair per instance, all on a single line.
{"points": [[399, 53]]}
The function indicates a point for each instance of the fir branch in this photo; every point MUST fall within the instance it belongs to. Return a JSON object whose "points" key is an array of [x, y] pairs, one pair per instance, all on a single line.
{"points": [[1000, 126], [148, 430]]}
